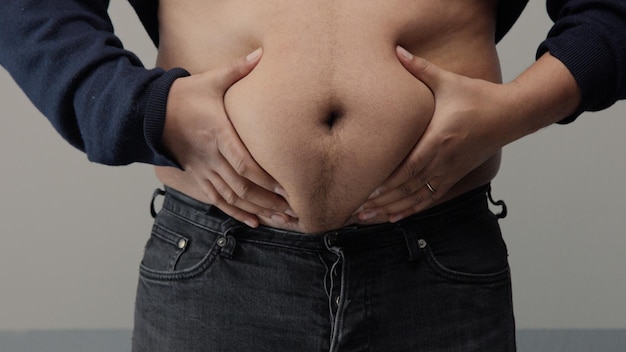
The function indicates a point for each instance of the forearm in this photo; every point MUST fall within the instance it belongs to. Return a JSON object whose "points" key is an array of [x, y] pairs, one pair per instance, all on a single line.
{"points": [[98, 96], [588, 38], [543, 94], [581, 66]]}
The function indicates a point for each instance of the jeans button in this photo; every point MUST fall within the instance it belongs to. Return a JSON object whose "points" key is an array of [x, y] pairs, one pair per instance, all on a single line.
{"points": [[221, 242], [422, 243]]}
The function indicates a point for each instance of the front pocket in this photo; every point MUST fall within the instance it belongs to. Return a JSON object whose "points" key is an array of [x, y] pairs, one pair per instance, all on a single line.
{"points": [[473, 268], [163, 249], [169, 255]]}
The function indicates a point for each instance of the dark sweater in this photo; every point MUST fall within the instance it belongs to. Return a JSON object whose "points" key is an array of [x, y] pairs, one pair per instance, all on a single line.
{"points": [[102, 100]]}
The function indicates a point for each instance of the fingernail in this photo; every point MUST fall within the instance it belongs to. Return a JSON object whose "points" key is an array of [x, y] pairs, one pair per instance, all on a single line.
{"points": [[291, 213], [281, 191], [395, 218], [404, 53], [376, 193], [367, 215], [279, 219], [254, 55], [250, 223]]}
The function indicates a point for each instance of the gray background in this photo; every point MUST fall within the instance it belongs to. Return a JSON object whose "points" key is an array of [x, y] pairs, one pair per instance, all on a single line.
{"points": [[72, 232]]}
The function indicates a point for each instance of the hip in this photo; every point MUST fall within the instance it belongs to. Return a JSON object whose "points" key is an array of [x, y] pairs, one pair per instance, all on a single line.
{"points": [[437, 281]]}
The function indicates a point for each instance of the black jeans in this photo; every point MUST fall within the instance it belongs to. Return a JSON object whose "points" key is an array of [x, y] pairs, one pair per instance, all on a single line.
{"points": [[437, 281]]}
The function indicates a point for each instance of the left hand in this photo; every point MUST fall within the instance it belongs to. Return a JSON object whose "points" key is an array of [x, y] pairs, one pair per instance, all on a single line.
{"points": [[467, 128]]}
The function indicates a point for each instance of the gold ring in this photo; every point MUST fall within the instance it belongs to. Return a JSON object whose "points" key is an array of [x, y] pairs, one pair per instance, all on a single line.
{"points": [[430, 188]]}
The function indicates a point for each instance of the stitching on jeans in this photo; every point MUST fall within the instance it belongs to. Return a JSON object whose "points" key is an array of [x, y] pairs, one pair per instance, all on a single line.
{"points": [[162, 233], [189, 221], [490, 278], [174, 239], [204, 264]]}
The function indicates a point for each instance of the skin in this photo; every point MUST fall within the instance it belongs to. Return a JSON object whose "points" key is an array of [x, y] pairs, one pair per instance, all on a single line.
{"points": [[456, 148], [465, 130], [204, 142]]}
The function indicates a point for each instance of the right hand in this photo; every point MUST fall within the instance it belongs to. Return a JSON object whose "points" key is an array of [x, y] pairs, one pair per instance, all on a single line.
{"points": [[201, 138]]}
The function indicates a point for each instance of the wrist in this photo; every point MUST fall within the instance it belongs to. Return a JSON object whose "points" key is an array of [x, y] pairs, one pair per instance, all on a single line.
{"points": [[156, 112], [543, 94]]}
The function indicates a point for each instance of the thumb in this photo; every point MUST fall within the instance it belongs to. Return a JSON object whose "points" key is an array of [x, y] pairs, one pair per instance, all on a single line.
{"points": [[238, 68], [422, 69]]}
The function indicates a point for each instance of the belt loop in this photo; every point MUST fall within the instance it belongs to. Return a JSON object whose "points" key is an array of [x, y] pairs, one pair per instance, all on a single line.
{"points": [[228, 225], [503, 211], [157, 192], [228, 242], [410, 239]]}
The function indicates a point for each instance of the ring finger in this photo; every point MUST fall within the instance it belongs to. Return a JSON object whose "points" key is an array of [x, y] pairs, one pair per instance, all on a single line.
{"points": [[403, 201]]}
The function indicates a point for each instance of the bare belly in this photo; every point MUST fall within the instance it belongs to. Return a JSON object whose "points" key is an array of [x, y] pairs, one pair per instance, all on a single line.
{"points": [[329, 111]]}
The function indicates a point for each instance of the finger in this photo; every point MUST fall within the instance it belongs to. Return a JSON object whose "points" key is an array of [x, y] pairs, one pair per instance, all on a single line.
{"points": [[412, 192], [245, 194], [244, 165], [392, 195], [394, 203], [377, 219], [422, 69], [229, 197], [237, 69], [238, 190], [413, 168], [400, 208], [215, 199], [439, 191], [247, 178]]}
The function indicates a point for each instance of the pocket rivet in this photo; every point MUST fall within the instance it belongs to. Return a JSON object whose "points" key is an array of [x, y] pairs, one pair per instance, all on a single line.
{"points": [[421, 243], [182, 243], [222, 241]]}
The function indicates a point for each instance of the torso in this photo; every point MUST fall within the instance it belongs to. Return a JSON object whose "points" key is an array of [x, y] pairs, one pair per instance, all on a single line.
{"points": [[329, 111]]}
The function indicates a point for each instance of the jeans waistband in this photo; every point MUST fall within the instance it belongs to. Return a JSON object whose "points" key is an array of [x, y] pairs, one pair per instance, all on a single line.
{"points": [[424, 223]]}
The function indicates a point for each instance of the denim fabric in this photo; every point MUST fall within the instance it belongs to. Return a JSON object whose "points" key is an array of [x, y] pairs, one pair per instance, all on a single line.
{"points": [[438, 281]]}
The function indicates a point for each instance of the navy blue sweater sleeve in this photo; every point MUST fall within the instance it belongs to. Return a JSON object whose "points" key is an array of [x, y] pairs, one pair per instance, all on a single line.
{"points": [[589, 38], [99, 96]]}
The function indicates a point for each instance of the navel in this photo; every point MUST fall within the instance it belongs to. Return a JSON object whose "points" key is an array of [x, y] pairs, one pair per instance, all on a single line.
{"points": [[334, 116]]}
